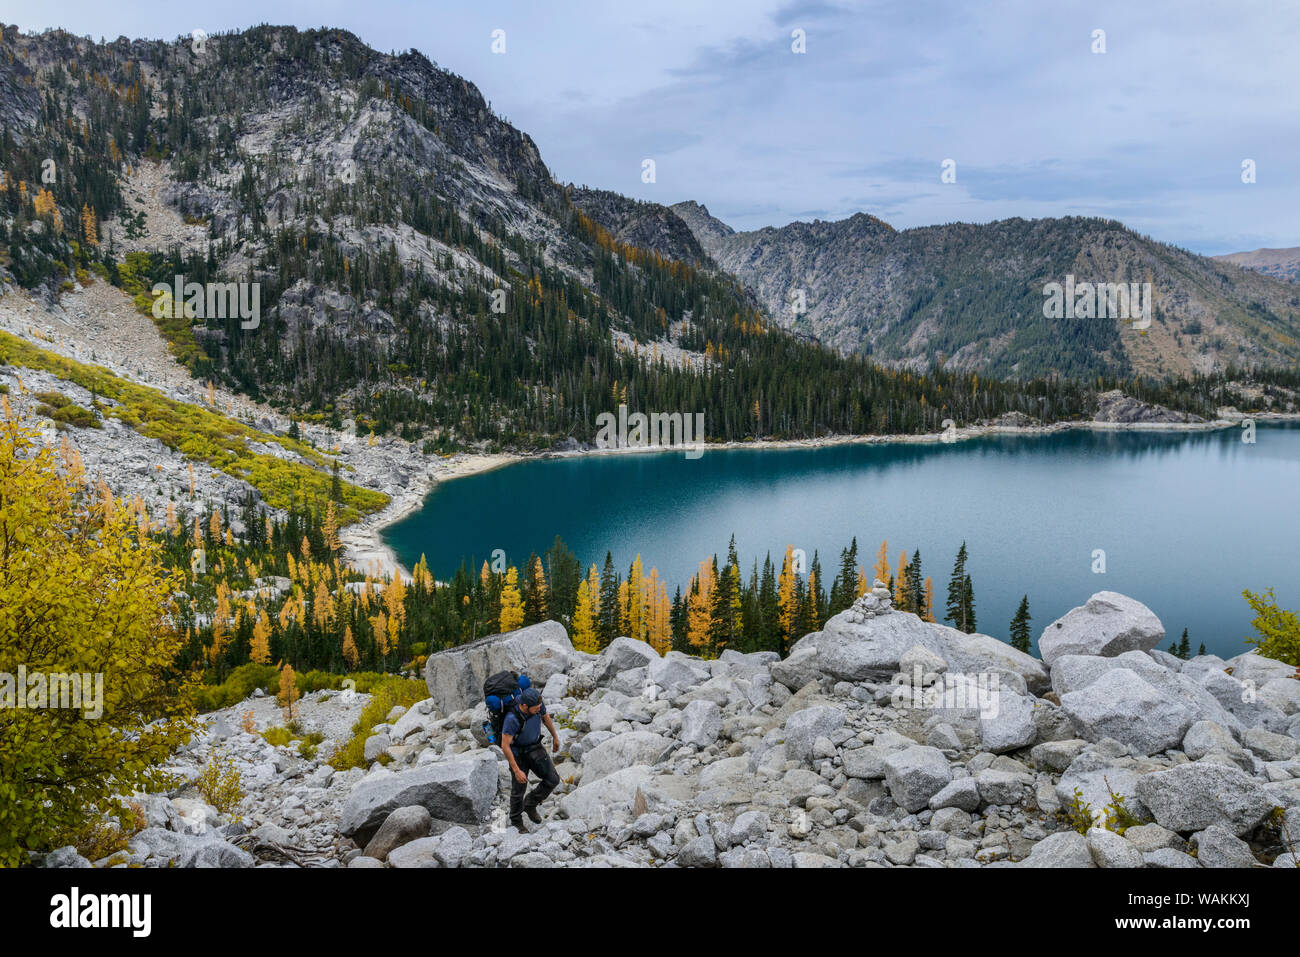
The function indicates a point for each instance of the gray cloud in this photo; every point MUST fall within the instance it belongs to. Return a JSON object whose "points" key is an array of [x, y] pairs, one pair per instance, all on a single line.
{"points": [[1152, 132]]}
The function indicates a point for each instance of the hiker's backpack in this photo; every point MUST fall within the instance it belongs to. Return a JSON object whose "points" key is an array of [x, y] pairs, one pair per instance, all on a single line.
{"points": [[501, 693]]}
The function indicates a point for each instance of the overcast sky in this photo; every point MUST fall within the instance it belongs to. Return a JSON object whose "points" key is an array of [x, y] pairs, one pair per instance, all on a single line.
{"points": [[1152, 132]]}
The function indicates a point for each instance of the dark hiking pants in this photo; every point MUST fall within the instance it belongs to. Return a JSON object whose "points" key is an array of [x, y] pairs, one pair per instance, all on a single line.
{"points": [[535, 759]]}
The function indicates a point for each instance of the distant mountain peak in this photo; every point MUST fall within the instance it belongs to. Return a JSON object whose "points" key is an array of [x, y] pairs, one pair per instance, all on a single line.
{"points": [[971, 294], [1281, 263], [703, 224]]}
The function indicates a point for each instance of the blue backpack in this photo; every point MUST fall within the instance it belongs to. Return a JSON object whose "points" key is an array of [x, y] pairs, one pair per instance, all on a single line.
{"points": [[501, 694]]}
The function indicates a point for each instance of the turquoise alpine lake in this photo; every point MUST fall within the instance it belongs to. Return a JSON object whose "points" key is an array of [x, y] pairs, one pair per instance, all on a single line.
{"points": [[1181, 521]]}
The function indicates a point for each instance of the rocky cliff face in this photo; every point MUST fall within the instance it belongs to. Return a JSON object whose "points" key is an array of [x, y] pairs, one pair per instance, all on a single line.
{"points": [[644, 225], [972, 295], [882, 740], [1115, 406]]}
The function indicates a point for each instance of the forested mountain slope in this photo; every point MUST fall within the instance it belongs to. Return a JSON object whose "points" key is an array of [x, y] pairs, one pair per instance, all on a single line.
{"points": [[418, 268], [972, 296]]}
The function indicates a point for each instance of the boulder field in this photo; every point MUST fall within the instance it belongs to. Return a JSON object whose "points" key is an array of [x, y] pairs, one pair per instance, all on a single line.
{"points": [[881, 741]]}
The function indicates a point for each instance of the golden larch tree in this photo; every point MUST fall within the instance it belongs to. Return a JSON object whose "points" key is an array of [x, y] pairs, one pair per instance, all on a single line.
{"points": [[624, 596], [350, 654], [259, 651], [537, 587], [900, 583], [322, 605], [787, 600], [881, 569], [288, 696], [512, 604], [88, 227], [660, 625], [379, 625], [584, 618], [699, 608], [395, 599], [331, 529], [636, 602]]}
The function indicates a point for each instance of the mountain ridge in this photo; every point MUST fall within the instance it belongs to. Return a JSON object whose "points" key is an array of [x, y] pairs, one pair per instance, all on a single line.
{"points": [[1281, 263], [420, 271], [932, 294]]}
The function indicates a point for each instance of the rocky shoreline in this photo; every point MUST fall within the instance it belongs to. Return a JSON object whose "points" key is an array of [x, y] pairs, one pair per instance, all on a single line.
{"points": [[880, 741]]}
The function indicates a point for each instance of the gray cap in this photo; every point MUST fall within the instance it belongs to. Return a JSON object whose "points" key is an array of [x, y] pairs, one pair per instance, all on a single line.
{"points": [[531, 697]]}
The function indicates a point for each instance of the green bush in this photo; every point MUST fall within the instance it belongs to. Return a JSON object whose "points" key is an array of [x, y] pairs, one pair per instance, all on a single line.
{"points": [[326, 680], [240, 683], [220, 783], [1278, 629], [75, 415], [1077, 813], [1118, 817], [281, 737], [238, 686], [387, 693], [205, 436], [56, 400]]}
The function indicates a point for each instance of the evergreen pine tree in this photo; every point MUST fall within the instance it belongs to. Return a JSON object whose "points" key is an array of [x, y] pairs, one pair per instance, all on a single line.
{"points": [[968, 607], [609, 606], [914, 586], [816, 595], [336, 485], [1020, 626], [724, 630], [956, 592], [844, 588], [769, 609]]}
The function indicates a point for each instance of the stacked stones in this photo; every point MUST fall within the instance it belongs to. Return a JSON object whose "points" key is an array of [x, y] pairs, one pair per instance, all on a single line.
{"points": [[874, 603]]}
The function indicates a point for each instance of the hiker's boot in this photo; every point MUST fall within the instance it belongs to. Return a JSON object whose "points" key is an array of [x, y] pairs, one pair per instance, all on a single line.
{"points": [[518, 824], [531, 811]]}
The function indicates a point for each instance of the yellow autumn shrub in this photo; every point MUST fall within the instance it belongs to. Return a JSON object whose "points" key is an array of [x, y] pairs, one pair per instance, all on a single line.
{"points": [[81, 596]]}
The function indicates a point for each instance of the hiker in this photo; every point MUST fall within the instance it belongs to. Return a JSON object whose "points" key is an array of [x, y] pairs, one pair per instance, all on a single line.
{"points": [[521, 742]]}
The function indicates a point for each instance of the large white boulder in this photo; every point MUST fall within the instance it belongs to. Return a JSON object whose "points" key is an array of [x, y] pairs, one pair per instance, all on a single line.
{"points": [[460, 790], [701, 723], [455, 676], [804, 727], [1197, 795], [1148, 719], [1120, 705], [851, 648], [596, 801], [623, 654], [914, 775], [1107, 625], [621, 751]]}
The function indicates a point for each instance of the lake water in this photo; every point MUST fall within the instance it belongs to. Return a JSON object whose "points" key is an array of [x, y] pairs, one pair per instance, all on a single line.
{"points": [[1186, 520]]}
